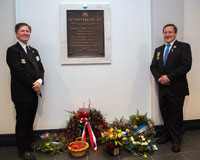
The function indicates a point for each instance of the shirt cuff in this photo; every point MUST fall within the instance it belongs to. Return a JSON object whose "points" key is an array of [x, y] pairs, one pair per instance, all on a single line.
{"points": [[168, 79], [40, 81]]}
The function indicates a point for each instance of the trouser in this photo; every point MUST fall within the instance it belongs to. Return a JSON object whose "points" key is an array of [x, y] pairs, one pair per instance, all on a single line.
{"points": [[171, 108], [25, 115]]}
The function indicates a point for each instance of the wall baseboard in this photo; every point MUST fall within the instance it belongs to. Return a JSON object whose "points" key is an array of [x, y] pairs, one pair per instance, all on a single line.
{"points": [[7, 140]]}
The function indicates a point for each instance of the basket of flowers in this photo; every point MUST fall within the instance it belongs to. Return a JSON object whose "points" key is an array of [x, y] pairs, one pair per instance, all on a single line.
{"points": [[113, 138], [78, 148]]}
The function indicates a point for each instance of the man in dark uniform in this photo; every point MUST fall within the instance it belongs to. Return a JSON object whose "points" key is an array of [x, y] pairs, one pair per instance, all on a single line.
{"points": [[170, 64], [27, 75]]}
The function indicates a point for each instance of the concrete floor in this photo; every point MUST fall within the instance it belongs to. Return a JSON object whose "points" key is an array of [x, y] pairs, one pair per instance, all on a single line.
{"points": [[190, 150]]}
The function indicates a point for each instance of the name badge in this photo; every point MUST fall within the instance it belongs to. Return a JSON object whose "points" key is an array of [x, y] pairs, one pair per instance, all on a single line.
{"points": [[37, 58], [158, 55], [23, 61]]}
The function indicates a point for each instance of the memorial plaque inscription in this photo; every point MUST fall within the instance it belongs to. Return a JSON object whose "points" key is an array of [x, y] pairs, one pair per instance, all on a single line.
{"points": [[85, 33]]}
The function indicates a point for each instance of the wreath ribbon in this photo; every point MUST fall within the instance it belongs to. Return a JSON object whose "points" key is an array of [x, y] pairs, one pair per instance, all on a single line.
{"points": [[91, 136]]}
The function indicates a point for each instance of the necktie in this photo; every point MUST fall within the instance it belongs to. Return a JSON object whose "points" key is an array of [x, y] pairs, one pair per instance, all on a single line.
{"points": [[166, 54], [32, 58], [27, 49]]}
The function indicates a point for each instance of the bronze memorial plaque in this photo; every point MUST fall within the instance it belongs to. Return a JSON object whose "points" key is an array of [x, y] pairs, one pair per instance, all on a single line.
{"points": [[85, 33]]}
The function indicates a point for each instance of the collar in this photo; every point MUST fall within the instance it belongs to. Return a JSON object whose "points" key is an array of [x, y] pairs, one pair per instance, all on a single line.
{"points": [[23, 45], [171, 44]]}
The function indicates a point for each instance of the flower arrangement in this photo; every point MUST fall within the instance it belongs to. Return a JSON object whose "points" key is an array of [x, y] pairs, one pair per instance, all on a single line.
{"points": [[119, 123], [140, 134], [113, 136], [75, 125], [139, 145], [51, 143]]}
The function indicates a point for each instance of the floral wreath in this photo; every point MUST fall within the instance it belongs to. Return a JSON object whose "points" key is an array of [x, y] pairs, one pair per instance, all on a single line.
{"points": [[52, 143], [75, 125], [140, 134]]}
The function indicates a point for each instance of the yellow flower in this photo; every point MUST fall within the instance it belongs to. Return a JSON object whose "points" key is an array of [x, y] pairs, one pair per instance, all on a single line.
{"points": [[102, 134], [142, 115], [124, 138], [111, 130], [150, 125], [47, 144], [111, 136], [135, 127], [127, 130], [46, 135], [137, 118], [145, 156], [149, 122], [51, 149], [119, 135]]}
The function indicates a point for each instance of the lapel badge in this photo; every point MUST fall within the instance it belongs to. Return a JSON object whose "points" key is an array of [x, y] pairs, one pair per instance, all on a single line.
{"points": [[37, 58], [173, 48], [23, 61], [158, 55]]}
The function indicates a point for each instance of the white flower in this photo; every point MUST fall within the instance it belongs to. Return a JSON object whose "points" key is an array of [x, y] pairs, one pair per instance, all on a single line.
{"points": [[145, 144], [132, 139], [134, 142]]}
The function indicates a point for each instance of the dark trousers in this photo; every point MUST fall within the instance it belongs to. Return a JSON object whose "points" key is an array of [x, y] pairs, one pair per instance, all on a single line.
{"points": [[25, 115], [171, 108]]}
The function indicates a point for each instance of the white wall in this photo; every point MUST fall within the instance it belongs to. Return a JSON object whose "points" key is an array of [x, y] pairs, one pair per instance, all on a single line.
{"points": [[118, 89], [7, 111], [191, 35]]}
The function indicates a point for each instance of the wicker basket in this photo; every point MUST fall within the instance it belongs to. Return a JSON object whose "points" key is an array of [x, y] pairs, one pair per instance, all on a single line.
{"points": [[78, 152]]}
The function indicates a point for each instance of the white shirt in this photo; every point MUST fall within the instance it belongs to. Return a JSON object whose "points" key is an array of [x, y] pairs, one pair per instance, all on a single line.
{"points": [[23, 46], [171, 44]]}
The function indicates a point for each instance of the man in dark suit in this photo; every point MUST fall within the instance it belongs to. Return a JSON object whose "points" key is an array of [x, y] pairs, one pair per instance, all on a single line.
{"points": [[27, 75], [170, 64]]}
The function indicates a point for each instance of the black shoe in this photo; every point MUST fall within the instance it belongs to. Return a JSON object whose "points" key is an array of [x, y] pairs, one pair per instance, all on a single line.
{"points": [[163, 140], [176, 147], [27, 156]]}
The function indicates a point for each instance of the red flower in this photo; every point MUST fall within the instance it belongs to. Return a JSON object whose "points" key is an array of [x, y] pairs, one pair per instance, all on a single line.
{"points": [[123, 124], [115, 124], [100, 116], [55, 135], [75, 121], [149, 132]]}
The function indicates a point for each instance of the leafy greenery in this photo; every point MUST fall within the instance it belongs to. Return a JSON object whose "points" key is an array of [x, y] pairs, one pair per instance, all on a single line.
{"points": [[51, 143]]}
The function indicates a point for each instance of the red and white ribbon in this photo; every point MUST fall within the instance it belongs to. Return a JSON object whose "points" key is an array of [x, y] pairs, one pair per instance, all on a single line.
{"points": [[91, 136]]}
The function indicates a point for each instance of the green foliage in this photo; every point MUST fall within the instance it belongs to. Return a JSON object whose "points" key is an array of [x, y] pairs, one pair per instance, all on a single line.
{"points": [[51, 143], [74, 127], [140, 136]]}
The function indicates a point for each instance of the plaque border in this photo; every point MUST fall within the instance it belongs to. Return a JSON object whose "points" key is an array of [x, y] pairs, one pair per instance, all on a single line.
{"points": [[63, 34]]}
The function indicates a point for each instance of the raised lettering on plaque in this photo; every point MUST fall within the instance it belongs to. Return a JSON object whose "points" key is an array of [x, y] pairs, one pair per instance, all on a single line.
{"points": [[85, 33]]}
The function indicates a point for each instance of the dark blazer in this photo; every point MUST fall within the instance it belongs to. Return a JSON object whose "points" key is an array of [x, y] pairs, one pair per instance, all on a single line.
{"points": [[23, 73], [178, 63]]}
